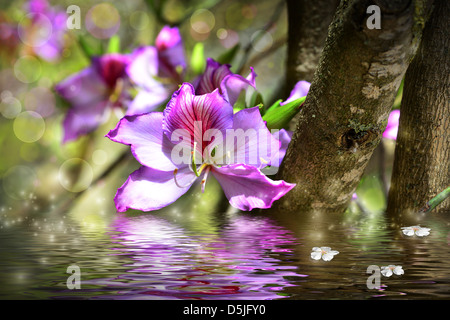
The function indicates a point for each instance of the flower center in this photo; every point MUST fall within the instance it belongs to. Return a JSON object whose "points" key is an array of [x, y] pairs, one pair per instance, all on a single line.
{"points": [[205, 166]]}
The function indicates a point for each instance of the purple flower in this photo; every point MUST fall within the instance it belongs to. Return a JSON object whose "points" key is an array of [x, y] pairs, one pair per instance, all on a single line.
{"points": [[392, 127], [50, 21], [185, 144], [92, 93], [219, 76], [156, 71], [301, 89], [169, 46]]}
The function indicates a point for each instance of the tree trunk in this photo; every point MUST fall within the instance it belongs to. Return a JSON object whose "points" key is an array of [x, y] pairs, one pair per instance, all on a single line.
{"points": [[422, 155], [308, 23], [346, 110]]}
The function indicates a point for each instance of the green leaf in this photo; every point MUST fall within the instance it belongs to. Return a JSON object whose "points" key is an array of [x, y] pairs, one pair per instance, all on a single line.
{"points": [[278, 116], [228, 56], [256, 99], [113, 44], [87, 48], [198, 62]]}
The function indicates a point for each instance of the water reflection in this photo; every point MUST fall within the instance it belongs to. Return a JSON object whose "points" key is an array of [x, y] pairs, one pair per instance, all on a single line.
{"points": [[179, 254], [242, 261]]}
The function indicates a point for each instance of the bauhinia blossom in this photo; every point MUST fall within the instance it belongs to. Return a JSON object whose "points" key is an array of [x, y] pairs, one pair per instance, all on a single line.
{"points": [[391, 269], [324, 253], [156, 71], [184, 145], [92, 93], [392, 127], [416, 230]]}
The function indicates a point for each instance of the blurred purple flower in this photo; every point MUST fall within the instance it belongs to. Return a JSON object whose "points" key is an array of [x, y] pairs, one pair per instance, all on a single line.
{"points": [[171, 60], [51, 49], [92, 93], [162, 179], [156, 71], [219, 76], [392, 127]]}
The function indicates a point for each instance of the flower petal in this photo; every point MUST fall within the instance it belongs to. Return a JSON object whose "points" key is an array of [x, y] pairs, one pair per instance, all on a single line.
{"points": [[145, 136], [301, 89], [247, 188], [212, 77], [398, 270], [83, 89], [78, 122], [186, 111], [422, 232], [253, 143], [147, 101], [218, 75], [285, 137], [327, 256], [386, 271], [147, 189], [170, 52], [233, 84], [392, 127], [143, 67], [408, 231], [316, 255]]}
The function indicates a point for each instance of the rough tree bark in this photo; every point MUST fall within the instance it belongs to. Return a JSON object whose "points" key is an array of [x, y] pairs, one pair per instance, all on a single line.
{"points": [[308, 21], [422, 155], [345, 113]]}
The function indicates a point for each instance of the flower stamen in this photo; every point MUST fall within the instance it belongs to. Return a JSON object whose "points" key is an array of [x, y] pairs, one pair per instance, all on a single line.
{"points": [[176, 181], [203, 182]]}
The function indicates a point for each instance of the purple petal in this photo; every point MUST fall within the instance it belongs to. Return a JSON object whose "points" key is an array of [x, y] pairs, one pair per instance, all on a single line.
{"points": [[247, 188], [285, 137], [82, 121], [143, 72], [220, 76], [170, 52], [143, 67], [83, 89], [145, 136], [147, 101], [233, 85], [148, 189], [111, 67], [212, 78], [186, 111], [392, 127], [301, 89], [254, 144]]}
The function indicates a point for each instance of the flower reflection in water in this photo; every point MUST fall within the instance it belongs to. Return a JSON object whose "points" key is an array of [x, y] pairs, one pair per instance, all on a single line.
{"points": [[243, 261]]}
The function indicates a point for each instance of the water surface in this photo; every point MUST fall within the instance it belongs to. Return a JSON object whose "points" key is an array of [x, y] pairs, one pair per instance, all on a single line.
{"points": [[176, 255]]}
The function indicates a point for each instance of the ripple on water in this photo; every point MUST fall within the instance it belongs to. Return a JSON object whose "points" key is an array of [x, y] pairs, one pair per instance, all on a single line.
{"points": [[240, 256]]}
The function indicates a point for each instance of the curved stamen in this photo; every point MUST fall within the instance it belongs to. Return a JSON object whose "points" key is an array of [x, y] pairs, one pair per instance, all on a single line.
{"points": [[176, 181], [204, 178]]}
